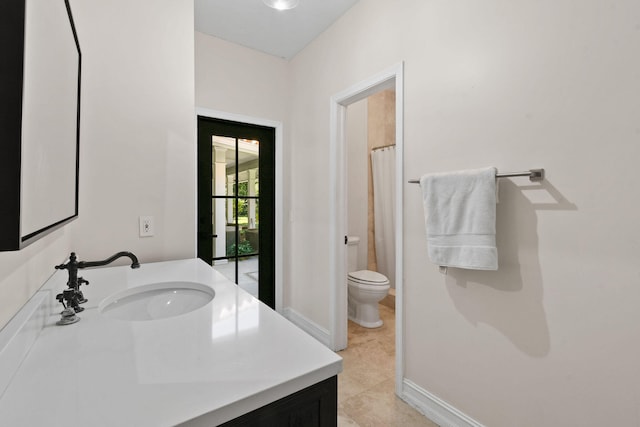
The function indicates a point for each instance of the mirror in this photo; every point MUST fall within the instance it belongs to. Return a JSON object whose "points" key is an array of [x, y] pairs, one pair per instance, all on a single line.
{"points": [[39, 119]]}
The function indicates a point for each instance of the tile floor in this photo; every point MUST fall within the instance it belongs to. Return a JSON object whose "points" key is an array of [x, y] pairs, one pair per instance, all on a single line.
{"points": [[366, 396]]}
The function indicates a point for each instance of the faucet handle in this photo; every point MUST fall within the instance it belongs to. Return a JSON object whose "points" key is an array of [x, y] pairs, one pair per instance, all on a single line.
{"points": [[60, 298], [72, 262], [72, 298]]}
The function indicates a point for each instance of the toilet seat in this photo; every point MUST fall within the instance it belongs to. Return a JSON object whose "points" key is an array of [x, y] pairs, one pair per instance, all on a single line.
{"points": [[366, 289], [368, 277]]}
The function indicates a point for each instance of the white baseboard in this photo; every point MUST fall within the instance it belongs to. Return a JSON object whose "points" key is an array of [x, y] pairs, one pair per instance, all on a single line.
{"points": [[312, 328], [434, 408]]}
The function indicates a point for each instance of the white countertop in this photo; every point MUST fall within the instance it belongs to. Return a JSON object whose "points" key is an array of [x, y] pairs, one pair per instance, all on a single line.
{"points": [[202, 368]]}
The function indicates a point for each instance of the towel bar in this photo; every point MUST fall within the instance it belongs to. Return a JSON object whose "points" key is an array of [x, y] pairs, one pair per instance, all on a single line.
{"points": [[533, 174]]}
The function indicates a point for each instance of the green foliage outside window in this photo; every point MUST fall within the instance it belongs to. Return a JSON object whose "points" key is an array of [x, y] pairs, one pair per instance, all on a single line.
{"points": [[242, 215], [244, 248]]}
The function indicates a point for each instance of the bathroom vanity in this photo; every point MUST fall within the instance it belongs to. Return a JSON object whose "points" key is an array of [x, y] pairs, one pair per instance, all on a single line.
{"points": [[232, 361]]}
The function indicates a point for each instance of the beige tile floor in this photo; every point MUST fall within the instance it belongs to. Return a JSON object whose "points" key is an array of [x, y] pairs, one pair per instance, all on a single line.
{"points": [[366, 396]]}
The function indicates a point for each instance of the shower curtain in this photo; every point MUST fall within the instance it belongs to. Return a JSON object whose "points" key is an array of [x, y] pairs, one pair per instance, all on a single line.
{"points": [[383, 167]]}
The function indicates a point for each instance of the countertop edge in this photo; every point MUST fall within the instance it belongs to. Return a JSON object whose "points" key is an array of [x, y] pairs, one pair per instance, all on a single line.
{"points": [[265, 397]]}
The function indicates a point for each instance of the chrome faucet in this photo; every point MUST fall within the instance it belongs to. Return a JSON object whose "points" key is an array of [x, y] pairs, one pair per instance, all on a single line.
{"points": [[73, 295]]}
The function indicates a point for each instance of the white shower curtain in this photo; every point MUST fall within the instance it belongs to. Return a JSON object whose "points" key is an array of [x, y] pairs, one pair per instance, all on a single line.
{"points": [[383, 166]]}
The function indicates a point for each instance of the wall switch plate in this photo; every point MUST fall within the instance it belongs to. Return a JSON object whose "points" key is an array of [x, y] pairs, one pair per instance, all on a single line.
{"points": [[146, 226]]}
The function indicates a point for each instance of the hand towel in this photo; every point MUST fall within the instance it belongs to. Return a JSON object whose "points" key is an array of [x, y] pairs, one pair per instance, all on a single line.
{"points": [[460, 217]]}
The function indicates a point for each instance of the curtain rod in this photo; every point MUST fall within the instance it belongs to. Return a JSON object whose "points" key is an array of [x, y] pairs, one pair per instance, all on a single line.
{"points": [[383, 147], [533, 174]]}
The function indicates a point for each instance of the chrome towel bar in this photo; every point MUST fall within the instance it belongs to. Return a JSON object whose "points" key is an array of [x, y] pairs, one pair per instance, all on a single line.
{"points": [[533, 174]]}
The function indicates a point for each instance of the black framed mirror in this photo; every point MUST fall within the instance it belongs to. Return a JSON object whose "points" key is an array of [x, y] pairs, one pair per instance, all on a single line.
{"points": [[39, 119]]}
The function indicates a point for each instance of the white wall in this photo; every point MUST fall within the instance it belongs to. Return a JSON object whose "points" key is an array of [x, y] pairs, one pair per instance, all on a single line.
{"points": [[239, 80], [357, 177], [551, 338], [138, 128], [137, 154]]}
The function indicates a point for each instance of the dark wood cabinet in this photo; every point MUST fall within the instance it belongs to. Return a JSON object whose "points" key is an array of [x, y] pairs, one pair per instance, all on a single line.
{"points": [[314, 406]]}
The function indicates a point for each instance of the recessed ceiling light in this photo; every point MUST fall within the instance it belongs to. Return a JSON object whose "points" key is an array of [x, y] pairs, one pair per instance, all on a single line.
{"points": [[281, 4]]}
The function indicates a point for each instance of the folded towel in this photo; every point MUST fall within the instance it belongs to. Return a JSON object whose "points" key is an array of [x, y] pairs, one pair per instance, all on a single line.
{"points": [[460, 216]]}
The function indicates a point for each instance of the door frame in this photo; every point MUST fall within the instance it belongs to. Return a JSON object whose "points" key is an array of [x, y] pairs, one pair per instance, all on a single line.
{"points": [[279, 166], [387, 79]]}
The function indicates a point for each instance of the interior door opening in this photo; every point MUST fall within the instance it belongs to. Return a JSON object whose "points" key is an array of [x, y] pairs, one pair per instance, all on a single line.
{"points": [[236, 203], [391, 78]]}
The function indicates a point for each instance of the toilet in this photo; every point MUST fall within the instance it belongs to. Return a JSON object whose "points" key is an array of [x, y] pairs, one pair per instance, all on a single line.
{"points": [[365, 289]]}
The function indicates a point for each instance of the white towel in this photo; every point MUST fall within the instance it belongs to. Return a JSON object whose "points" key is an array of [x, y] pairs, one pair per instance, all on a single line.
{"points": [[460, 216]]}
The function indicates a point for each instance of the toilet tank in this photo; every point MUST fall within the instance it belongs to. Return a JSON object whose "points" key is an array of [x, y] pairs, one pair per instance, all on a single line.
{"points": [[352, 253]]}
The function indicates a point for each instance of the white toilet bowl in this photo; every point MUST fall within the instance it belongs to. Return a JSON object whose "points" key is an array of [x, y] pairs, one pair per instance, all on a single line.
{"points": [[365, 289]]}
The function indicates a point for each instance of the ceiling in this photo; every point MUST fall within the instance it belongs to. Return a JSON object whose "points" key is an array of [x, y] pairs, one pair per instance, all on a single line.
{"points": [[252, 24]]}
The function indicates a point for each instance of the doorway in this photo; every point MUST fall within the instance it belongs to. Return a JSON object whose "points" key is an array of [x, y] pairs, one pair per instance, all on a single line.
{"points": [[236, 203], [391, 78]]}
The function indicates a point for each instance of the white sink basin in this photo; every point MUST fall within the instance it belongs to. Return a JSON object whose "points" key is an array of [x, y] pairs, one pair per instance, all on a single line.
{"points": [[156, 301]]}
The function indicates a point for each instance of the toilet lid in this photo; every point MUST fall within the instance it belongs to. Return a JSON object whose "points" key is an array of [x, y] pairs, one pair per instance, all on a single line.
{"points": [[368, 277]]}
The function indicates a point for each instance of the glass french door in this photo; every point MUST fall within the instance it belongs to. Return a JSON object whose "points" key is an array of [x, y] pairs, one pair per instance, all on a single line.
{"points": [[236, 203]]}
